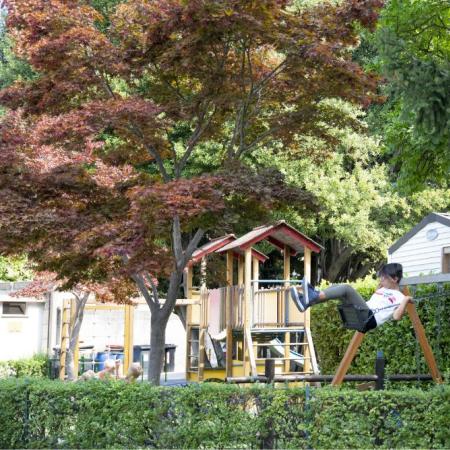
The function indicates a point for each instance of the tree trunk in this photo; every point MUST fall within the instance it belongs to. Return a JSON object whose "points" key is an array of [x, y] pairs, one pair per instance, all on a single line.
{"points": [[157, 347], [74, 334], [338, 261]]}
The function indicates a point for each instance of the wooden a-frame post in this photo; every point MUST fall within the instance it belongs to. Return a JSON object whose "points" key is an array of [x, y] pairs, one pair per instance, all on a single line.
{"points": [[422, 338]]}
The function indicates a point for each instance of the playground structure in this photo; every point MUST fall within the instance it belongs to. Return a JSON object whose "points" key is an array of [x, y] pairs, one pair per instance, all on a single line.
{"points": [[233, 330]]}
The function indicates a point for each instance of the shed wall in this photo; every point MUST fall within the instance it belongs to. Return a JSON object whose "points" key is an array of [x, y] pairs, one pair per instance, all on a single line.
{"points": [[418, 255]]}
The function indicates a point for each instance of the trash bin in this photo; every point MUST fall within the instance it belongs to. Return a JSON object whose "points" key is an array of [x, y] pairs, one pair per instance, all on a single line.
{"points": [[54, 364], [138, 350], [100, 359]]}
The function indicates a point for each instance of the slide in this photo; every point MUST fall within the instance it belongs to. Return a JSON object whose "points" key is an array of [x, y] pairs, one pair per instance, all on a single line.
{"points": [[278, 350]]}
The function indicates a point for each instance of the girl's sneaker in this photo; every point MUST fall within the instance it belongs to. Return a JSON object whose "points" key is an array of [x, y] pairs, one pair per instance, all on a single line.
{"points": [[299, 299], [303, 300]]}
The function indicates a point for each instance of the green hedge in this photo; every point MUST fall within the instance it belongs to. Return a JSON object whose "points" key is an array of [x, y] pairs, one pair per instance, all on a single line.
{"points": [[36, 366], [95, 414], [396, 339]]}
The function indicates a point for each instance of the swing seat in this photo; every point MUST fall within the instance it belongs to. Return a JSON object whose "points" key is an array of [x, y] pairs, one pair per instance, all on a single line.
{"points": [[354, 318]]}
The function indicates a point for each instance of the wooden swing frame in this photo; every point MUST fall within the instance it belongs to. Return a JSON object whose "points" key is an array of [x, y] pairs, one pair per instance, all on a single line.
{"points": [[419, 329]]}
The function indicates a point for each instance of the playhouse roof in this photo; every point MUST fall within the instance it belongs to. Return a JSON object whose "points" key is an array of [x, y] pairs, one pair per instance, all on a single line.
{"points": [[278, 234], [216, 244], [443, 218]]}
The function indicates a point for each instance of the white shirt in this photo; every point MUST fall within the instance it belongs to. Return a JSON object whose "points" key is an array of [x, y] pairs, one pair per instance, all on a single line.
{"points": [[385, 297]]}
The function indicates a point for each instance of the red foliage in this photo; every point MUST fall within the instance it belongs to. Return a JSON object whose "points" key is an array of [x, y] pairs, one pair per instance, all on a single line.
{"points": [[81, 139]]}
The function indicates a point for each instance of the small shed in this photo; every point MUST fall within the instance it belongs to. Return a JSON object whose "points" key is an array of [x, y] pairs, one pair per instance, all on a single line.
{"points": [[425, 249]]}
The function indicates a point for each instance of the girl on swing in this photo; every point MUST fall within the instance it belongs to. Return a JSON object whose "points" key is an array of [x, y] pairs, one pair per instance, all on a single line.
{"points": [[385, 304]]}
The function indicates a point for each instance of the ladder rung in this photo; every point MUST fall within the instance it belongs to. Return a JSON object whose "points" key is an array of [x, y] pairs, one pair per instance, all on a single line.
{"points": [[281, 344]]}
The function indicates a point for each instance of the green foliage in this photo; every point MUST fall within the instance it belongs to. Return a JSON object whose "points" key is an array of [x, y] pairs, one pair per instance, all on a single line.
{"points": [[396, 339], [12, 68], [36, 366], [414, 49], [45, 414], [361, 212], [14, 269]]}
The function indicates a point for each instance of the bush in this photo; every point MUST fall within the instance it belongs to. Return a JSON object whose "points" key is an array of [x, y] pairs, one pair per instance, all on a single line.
{"points": [[397, 339], [95, 414], [37, 366]]}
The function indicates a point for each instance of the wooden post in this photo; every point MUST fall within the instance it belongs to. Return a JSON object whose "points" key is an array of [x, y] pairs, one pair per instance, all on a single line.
{"points": [[248, 354], [203, 272], [202, 332], [255, 274], [422, 338], [423, 341], [251, 353], [348, 358], [128, 337], [308, 367], [189, 275], [64, 338], [229, 316], [240, 271], [76, 353], [287, 335]]}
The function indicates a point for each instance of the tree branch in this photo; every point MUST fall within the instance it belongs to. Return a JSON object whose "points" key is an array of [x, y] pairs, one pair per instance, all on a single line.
{"points": [[140, 282], [201, 127], [176, 241], [154, 289], [193, 244]]}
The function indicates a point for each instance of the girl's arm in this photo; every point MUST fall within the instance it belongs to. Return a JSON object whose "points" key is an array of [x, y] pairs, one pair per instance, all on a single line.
{"points": [[398, 313]]}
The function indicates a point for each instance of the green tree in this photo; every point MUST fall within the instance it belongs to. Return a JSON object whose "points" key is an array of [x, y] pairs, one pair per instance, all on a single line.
{"points": [[414, 51], [361, 212], [14, 269]]}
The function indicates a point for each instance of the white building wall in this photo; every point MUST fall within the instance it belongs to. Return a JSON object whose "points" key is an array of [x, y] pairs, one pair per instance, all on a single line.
{"points": [[418, 255], [103, 327], [21, 336], [39, 331]]}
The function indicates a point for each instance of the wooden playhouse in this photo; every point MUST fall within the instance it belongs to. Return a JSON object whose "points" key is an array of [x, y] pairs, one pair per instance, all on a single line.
{"points": [[232, 330]]}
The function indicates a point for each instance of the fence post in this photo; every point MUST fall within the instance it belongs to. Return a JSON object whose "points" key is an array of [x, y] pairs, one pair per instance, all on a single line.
{"points": [[380, 363]]}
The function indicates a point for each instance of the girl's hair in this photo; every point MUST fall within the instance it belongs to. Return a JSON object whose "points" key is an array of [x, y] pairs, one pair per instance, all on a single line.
{"points": [[393, 270]]}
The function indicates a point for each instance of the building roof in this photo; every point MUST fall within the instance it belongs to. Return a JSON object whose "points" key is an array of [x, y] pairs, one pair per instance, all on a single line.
{"points": [[443, 218], [216, 244], [278, 234]]}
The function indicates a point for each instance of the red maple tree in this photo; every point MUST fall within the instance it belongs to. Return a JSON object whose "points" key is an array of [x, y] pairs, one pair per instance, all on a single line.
{"points": [[98, 148]]}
